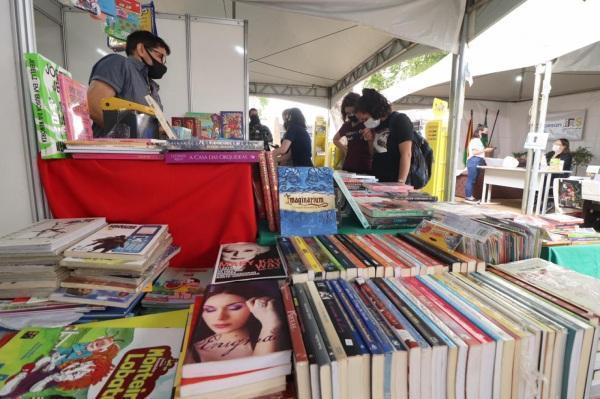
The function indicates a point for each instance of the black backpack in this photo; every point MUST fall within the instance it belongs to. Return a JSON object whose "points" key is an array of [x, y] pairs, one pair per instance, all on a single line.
{"points": [[421, 162]]}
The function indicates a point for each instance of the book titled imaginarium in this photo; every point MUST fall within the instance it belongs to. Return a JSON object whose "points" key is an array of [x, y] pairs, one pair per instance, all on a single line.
{"points": [[306, 201], [100, 362], [247, 261]]}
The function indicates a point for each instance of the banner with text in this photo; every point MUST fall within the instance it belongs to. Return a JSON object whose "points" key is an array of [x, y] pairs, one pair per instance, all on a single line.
{"points": [[565, 125]]}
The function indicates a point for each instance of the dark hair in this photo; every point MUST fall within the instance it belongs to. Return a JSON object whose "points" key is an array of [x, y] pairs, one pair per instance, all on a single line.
{"points": [[349, 101], [477, 132], [252, 109], [565, 143], [295, 117], [148, 39], [245, 290], [373, 103]]}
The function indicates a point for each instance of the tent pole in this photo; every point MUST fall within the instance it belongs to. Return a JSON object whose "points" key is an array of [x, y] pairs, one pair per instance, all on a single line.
{"points": [[457, 99], [537, 154], [532, 128]]}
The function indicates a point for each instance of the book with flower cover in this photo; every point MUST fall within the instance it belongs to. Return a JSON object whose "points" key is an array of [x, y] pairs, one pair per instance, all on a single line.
{"points": [[73, 95], [232, 123], [120, 241], [306, 201], [96, 362]]}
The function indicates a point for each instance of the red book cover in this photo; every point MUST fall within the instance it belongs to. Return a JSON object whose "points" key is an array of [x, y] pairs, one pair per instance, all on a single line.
{"points": [[192, 124], [177, 121], [397, 261], [294, 327], [274, 185], [73, 98], [266, 188]]}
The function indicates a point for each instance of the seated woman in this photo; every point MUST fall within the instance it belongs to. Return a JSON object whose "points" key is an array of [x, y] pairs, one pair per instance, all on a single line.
{"points": [[296, 149], [390, 135], [562, 152], [357, 150]]}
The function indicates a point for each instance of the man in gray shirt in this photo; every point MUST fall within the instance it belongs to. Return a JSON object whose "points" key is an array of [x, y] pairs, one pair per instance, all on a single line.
{"points": [[130, 78]]}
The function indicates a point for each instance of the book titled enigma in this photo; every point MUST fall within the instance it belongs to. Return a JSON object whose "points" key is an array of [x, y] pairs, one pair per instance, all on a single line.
{"points": [[306, 201]]}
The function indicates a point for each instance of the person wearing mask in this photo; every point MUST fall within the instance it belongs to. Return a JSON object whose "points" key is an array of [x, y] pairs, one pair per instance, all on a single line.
{"points": [[357, 150], [390, 135], [295, 147], [475, 158], [258, 131], [562, 152], [130, 78]]}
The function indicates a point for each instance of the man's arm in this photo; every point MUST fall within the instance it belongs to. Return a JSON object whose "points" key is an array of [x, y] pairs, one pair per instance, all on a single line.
{"points": [[97, 91], [338, 143], [283, 153], [405, 149]]}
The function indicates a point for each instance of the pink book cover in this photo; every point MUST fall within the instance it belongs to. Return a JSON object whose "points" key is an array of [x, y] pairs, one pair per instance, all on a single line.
{"points": [[135, 157], [212, 157], [73, 96]]}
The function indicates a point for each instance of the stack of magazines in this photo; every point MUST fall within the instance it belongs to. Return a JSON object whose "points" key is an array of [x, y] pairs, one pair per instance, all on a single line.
{"points": [[29, 257], [177, 288], [115, 265]]}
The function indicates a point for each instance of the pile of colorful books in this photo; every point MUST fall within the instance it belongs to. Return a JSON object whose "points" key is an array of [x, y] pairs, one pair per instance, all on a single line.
{"points": [[115, 265], [29, 257], [177, 288], [561, 229], [443, 335], [372, 255]]}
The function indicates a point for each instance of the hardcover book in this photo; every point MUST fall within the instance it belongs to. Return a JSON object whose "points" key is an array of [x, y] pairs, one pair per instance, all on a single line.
{"points": [[45, 102], [247, 261], [120, 241], [212, 157], [74, 103], [214, 145], [306, 201], [232, 123], [99, 362], [569, 194], [205, 125], [241, 327]]}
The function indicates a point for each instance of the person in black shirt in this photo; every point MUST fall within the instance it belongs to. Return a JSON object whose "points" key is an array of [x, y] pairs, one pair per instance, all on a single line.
{"points": [[357, 150], [390, 134], [258, 131], [295, 145], [561, 150]]}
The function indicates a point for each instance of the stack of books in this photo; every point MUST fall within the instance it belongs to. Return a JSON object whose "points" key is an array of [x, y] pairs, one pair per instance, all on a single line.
{"points": [[29, 257], [140, 149], [372, 255], [436, 336], [561, 229], [115, 265], [177, 288]]}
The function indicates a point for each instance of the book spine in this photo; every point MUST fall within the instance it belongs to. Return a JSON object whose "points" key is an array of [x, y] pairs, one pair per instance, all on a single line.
{"points": [[313, 337], [212, 157], [307, 257], [266, 189], [329, 255], [321, 257], [347, 253], [355, 250], [274, 179], [336, 253], [291, 257], [414, 252], [371, 250], [136, 157], [258, 193], [292, 318], [438, 254]]}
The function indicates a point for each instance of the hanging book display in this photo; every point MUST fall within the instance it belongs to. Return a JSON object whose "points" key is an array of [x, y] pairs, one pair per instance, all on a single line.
{"points": [[126, 21]]}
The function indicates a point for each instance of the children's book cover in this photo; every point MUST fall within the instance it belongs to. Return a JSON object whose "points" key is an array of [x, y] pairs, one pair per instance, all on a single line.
{"points": [[179, 286], [117, 299], [100, 362], [51, 231], [75, 109], [306, 201], [119, 241], [231, 125], [217, 126], [205, 125], [247, 261]]}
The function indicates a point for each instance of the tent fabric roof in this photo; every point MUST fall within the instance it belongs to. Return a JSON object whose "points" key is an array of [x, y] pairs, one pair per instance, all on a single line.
{"points": [[431, 22]]}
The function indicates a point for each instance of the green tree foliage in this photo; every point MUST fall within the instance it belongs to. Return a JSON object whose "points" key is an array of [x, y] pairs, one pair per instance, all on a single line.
{"points": [[388, 76], [264, 102]]}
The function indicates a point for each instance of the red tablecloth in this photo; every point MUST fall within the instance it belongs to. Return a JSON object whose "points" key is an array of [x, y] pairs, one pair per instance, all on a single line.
{"points": [[203, 204]]}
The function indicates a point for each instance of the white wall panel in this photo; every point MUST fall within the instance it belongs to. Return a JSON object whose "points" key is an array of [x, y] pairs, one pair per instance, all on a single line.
{"points": [[48, 38]]}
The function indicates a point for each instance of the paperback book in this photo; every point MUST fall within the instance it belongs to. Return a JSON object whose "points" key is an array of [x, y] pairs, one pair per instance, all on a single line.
{"points": [[306, 201], [99, 362], [74, 103], [178, 287], [247, 261], [232, 125], [117, 299], [205, 125]]}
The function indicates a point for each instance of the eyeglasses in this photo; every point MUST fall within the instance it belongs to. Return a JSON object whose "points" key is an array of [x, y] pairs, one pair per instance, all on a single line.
{"points": [[162, 57]]}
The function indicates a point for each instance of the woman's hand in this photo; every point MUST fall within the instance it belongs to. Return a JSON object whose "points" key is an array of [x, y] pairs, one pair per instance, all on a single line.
{"points": [[263, 308], [367, 134]]}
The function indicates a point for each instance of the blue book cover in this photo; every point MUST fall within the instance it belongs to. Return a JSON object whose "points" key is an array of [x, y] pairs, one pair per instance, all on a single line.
{"points": [[306, 201]]}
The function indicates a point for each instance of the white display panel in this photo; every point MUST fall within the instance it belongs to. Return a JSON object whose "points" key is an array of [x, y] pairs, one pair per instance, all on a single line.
{"points": [[218, 79], [48, 38], [86, 44]]}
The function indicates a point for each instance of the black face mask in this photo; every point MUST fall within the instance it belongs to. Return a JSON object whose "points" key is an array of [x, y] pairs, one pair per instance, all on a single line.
{"points": [[353, 118], [254, 120], [157, 69]]}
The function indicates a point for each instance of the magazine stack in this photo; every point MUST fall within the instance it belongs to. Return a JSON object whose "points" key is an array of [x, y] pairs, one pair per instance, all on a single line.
{"points": [[115, 265], [29, 257], [177, 288]]}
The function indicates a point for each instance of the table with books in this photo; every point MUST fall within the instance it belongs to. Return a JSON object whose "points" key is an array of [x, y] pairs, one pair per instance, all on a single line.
{"points": [[203, 204]]}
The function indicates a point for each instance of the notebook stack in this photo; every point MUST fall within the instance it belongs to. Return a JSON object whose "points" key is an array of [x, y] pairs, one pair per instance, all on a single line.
{"points": [[115, 265], [177, 288], [239, 346], [29, 257], [447, 335]]}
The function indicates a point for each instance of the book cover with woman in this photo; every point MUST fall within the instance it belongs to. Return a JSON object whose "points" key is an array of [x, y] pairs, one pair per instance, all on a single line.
{"points": [[242, 322], [247, 261]]}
